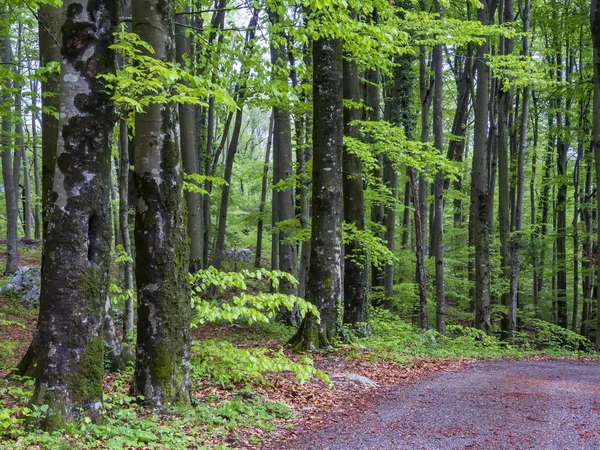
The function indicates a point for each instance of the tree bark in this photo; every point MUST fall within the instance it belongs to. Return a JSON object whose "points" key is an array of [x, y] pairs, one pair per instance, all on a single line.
{"points": [[162, 374], [324, 287], [76, 255]]}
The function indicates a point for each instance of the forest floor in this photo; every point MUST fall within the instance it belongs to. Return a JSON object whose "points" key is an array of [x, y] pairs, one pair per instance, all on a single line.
{"points": [[492, 405], [407, 374]]}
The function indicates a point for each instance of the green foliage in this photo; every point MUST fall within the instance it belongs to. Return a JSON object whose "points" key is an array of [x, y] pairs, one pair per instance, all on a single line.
{"points": [[126, 425], [259, 307], [223, 364], [372, 246], [145, 81]]}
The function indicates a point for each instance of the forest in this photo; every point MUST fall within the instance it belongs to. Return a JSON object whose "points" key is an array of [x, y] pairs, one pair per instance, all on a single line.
{"points": [[212, 208]]}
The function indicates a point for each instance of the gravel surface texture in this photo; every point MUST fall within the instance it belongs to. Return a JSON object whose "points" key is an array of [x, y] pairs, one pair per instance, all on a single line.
{"points": [[493, 405]]}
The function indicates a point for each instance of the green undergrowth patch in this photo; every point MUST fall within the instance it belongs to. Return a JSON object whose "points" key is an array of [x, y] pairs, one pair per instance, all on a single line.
{"points": [[395, 339], [222, 364], [215, 419]]}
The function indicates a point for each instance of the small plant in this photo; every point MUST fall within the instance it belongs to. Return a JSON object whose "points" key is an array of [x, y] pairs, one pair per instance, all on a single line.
{"points": [[227, 366]]}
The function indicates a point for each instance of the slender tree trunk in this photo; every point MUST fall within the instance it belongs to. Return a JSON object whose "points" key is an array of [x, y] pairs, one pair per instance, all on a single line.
{"points": [[479, 185], [517, 235], [22, 150], [283, 170], [373, 114], [232, 150], [77, 240], [263, 195], [576, 200], [189, 153], [355, 271], [505, 103], [595, 28], [438, 220], [162, 253], [129, 286], [587, 250], [533, 238], [325, 279], [37, 225], [420, 254], [10, 194], [561, 214]]}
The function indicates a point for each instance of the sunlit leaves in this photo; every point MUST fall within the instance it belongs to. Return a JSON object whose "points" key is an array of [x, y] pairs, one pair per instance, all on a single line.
{"points": [[145, 81]]}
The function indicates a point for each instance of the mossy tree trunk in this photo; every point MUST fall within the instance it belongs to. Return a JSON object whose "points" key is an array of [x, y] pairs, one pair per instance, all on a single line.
{"points": [[76, 254], [162, 252], [355, 264], [324, 287]]}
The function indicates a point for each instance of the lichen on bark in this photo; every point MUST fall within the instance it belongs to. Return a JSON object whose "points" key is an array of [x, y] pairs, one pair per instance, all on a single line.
{"points": [[76, 255], [162, 249]]}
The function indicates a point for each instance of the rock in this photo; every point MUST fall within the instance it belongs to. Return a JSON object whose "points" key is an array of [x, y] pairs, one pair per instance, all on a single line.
{"points": [[25, 286], [116, 313], [244, 254], [342, 378]]}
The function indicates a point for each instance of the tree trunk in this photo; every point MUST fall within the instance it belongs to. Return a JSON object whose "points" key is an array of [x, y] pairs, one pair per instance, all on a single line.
{"points": [[420, 254], [263, 195], [373, 114], [587, 257], [437, 241], [561, 214], [10, 194], [355, 270], [129, 286], [324, 287], [76, 255], [37, 225], [517, 235], [189, 154], [232, 150], [162, 254], [505, 103], [480, 185], [595, 28], [22, 150], [283, 170]]}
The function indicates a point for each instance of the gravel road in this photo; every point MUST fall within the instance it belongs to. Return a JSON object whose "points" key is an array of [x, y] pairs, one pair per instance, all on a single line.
{"points": [[492, 405]]}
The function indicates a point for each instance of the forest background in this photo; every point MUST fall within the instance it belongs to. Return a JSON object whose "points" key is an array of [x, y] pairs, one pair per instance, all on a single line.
{"points": [[366, 172]]}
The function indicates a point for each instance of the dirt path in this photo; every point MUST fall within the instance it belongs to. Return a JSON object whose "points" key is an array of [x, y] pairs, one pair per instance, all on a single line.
{"points": [[493, 405]]}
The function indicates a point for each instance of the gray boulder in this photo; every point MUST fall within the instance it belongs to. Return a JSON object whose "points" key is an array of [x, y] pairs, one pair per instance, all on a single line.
{"points": [[244, 254], [25, 286]]}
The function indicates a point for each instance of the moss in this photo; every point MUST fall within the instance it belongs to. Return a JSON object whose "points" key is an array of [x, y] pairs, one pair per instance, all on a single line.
{"points": [[87, 382]]}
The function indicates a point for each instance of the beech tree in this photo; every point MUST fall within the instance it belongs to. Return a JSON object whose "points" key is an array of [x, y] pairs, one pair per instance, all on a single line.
{"points": [[325, 275], [162, 371], [69, 342]]}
